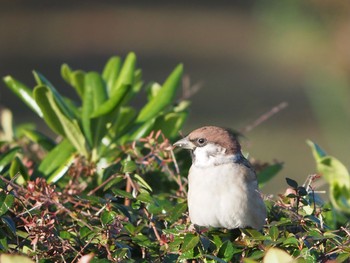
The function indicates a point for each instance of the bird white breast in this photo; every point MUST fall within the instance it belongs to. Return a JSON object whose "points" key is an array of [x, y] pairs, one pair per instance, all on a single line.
{"points": [[223, 195]]}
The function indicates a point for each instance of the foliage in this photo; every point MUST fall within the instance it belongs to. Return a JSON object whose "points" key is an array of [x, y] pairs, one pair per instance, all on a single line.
{"points": [[103, 118], [113, 190]]}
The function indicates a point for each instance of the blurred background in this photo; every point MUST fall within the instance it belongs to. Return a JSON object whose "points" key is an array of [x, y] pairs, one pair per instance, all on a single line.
{"points": [[248, 57]]}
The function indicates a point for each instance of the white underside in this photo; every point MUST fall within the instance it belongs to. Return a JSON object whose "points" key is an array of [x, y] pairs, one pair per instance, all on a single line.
{"points": [[220, 196]]}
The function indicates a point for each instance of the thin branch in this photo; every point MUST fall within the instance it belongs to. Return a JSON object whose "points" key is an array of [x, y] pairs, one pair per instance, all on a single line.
{"points": [[264, 117]]}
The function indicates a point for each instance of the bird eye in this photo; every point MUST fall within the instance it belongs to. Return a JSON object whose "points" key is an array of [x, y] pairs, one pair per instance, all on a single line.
{"points": [[201, 141]]}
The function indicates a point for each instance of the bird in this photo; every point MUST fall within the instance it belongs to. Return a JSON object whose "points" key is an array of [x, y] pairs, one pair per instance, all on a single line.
{"points": [[222, 184]]}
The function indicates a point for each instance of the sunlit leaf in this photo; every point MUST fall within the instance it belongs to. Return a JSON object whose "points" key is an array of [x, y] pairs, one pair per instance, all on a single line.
{"points": [[163, 98], [24, 93], [6, 202]]}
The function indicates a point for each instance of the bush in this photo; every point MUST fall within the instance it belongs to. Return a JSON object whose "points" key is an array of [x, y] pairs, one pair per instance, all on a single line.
{"points": [[109, 187]]}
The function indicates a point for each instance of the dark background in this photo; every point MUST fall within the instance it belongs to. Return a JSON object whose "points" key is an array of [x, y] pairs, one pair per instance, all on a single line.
{"points": [[249, 56]]}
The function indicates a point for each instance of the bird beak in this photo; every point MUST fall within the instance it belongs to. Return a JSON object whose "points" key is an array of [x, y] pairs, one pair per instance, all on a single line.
{"points": [[185, 143]]}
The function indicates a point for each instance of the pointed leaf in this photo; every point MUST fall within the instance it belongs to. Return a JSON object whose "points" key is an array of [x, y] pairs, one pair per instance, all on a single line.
{"points": [[49, 115], [292, 183], [41, 80], [71, 127], [24, 93], [190, 241], [111, 71], [113, 102], [171, 123], [56, 157], [126, 76], [66, 73], [61, 170], [8, 156], [6, 202], [39, 138], [268, 173], [163, 98], [317, 151]]}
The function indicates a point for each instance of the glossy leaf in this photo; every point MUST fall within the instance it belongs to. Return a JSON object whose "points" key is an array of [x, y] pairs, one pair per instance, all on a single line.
{"points": [[170, 123], [163, 98], [42, 81], [6, 202], [190, 241], [56, 157], [70, 127], [111, 71], [126, 76], [292, 183], [226, 251], [61, 170], [7, 157], [39, 138], [24, 93], [41, 94], [18, 167], [107, 217], [113, 102], [268, 173], [317, 151]]}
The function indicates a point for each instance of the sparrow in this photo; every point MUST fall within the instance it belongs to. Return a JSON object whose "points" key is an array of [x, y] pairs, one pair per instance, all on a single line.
{"points": [[222, 184]]}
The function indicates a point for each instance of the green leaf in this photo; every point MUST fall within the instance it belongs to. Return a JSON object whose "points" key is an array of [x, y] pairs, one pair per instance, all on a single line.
{"points": [[292, 183], [142, 183], [129, 165], [42, 81], [18, 167], [334, 171], [7, 157], [10, 224], [108, 217], [273, 232], [125, 118], [61, 170], [39, 138], [95, 94], [190, 241], [56, 157], [163, 98], [24, 93], [74, 78], [145, 197], [126, 76], [226, 251], [171, 123], [113, 102], [139, 131], [121, 193], [216, 259], [6, 202], [268, 173], [66, 73], [49, 115], [111, 71], [317, 151], [70, 126]]}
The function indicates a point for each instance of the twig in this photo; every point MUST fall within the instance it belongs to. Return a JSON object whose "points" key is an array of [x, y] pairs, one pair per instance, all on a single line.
{"points": [[264, 117], [103, 184], [153, 226], [188, 90]]}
